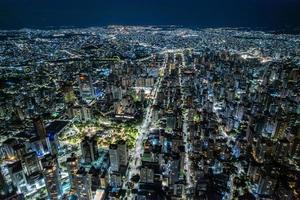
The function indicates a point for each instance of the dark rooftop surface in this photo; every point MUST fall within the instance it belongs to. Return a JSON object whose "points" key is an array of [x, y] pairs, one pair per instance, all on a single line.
{"points": [[56, 126]]}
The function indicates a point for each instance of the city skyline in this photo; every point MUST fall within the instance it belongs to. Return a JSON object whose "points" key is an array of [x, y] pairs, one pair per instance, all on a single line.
{"points": [[97, 104]]}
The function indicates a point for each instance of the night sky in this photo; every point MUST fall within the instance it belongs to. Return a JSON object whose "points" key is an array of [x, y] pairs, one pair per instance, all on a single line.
{"points": [[271, 14]]}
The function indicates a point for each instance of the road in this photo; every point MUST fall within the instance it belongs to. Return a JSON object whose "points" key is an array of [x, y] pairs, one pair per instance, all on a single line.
{"points": [[138, 151], [186, 133]]}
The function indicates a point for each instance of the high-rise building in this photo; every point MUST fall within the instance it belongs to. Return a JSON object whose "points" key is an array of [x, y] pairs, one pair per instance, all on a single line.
{"points": [[115, 179], [72, 166], [123, 153], [114, 158], [86, 113], [51, 174], [39, 146], [39, 127], [32, 163], [89, 149], [178, 190], [7, 148], [253, 169], [174, 168], [83, 185], [54, 129], [20, 150], [86, 86], [147, 175], [280, 129], [68, 92], [7, 191], [18, 176], [103, 181], [170, 120], [94, 176], [295, 151], [266, 185], [182, 157]]}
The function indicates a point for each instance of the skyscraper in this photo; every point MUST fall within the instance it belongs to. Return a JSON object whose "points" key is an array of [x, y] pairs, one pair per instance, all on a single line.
{"points": [[7, 191], [86, 113], [72, 166], [51, 174], [123, 153], [86, 88], [114, 158], [68, 92], [89, 149], [17, 176], [83, 185], [39, 127], [147, 175], [32, 163], [94, 176]]}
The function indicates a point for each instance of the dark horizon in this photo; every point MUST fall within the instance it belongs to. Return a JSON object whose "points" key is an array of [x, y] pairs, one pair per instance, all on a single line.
{"points": [[269, 14]]}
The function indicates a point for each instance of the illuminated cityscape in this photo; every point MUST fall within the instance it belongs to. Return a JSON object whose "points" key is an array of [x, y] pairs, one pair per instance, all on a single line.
{"points": [[206, 114], [149, 112]]}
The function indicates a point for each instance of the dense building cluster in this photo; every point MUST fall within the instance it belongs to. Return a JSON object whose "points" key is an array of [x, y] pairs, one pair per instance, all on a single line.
{"points": [[149, 113]]}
